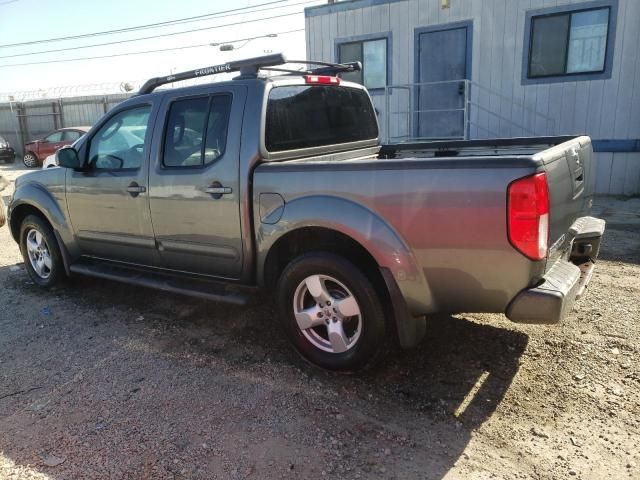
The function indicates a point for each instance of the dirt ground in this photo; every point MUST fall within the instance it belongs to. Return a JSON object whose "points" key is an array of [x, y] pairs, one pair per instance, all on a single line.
{"points": [[103, 380]]}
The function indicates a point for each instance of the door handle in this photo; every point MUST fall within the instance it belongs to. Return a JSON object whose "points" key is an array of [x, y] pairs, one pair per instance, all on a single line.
{"points": [[217, 190], [134, 189]]}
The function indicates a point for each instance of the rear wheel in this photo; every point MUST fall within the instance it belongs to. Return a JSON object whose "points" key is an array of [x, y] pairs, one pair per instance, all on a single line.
{"points": [[40, 252], [331, 312], [30, 160]]}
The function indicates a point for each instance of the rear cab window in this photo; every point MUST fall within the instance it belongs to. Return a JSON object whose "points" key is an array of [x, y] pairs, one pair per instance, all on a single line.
{"points": [[306, 116]]}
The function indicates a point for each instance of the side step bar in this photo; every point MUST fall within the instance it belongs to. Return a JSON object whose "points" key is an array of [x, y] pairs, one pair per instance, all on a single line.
{"points": [[193, 288]]}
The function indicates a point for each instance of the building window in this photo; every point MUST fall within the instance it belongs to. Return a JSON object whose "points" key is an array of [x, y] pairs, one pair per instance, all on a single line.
{"points": [[569, 43], [373, 56]]}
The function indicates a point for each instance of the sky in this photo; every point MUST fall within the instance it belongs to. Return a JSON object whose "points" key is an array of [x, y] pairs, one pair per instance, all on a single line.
{"points": [[33, 20]]}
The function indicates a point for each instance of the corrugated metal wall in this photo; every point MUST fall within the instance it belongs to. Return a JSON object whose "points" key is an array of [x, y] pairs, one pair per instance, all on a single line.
{"points": [[604, 109], [23, 121]]}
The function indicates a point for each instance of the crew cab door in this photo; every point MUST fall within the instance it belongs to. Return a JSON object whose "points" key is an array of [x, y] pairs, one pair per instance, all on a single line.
{"points": [[194, 182], [108, 200]]}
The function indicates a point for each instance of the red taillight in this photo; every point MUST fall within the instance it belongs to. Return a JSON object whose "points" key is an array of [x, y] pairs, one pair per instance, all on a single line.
{"points": [[528, 215], [322, 79]]}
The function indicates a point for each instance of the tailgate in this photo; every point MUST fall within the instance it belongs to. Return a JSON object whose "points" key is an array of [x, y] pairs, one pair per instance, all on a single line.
{"points": [[571, 180]]}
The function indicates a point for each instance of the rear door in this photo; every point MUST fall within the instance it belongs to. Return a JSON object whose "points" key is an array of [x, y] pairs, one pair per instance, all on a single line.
{"points": [[194, 182]]}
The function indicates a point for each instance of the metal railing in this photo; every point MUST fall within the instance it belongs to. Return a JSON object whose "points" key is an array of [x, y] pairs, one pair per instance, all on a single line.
{"points": [[457, 110]]}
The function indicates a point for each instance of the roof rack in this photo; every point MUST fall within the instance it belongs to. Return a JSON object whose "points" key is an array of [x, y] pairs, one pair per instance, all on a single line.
{"points": [[325, 69], [249, 68]]}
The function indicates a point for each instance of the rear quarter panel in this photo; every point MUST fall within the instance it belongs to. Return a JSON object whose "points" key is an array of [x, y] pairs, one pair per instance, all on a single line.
{"points": [[450, 213]]}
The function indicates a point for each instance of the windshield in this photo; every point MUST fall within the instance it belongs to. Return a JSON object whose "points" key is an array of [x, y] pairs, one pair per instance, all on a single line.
{"points": [[303, 116]]}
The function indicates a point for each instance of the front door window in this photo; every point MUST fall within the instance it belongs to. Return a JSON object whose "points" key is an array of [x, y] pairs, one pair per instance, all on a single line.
{"points": [[119, 144]]}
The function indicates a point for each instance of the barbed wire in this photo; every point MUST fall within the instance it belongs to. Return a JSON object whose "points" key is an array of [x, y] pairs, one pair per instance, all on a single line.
{"points": [[66, 91], [104, 88]]}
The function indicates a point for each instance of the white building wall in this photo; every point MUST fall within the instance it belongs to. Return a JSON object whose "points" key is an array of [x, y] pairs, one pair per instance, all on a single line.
{"points": [[604, 109]]}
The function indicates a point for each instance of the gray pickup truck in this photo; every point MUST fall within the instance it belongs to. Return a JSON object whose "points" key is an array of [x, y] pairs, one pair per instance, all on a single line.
{"points": [[279, 183]]}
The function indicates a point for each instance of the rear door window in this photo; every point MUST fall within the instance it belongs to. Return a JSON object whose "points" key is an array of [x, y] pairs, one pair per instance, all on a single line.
{"points": [[196, 132], [54, 137], [304, 116]]}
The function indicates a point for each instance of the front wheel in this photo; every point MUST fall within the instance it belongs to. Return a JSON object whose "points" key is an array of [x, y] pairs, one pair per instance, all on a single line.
{"points": [[40, 251], [331, 312]]}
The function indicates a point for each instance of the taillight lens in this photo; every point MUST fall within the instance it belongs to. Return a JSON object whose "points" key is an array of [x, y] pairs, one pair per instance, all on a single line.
{"points": [[528, 215], [322, 79]]}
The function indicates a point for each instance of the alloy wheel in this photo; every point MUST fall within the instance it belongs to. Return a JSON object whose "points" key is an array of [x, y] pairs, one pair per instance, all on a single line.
{"points": [[39, 254], [327, 313], [30, 160]]}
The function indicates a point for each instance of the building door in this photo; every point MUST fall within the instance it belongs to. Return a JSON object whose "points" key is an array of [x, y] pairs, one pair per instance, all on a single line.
{"points": [[443, 60]]}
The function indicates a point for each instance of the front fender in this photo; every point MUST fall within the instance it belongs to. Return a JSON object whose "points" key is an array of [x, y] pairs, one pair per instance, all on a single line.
{"points": [[49, 202], [360, 224]]}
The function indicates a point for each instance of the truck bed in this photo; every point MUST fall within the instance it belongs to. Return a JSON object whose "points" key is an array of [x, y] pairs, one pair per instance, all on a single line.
{"points": [[447, 201], [567, 161]]}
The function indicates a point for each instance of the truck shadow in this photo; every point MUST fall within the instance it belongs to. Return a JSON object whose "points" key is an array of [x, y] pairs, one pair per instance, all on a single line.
{"points": [[422, 405]]}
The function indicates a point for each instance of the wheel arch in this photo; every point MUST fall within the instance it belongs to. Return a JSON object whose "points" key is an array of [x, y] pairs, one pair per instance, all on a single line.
{"points": [[345, 227], [33, 198], [22, 211], [19, 213], [314, 238]]}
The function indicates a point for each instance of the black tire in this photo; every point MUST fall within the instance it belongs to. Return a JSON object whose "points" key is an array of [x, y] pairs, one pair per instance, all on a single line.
{"points": [[372, 340], [30, 160], [56, 272], [3, 209]]}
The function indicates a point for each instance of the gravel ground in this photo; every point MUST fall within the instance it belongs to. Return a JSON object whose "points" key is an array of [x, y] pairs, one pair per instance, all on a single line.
{"points": [[103, 380]]}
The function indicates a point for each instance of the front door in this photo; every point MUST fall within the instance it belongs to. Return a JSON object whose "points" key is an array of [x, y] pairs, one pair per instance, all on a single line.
{"points": [[194, 184], [108, 200], [442, 63]]}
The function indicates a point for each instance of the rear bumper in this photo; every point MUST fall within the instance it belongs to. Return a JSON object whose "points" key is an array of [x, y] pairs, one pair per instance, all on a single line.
{"points": [[552, 300]]}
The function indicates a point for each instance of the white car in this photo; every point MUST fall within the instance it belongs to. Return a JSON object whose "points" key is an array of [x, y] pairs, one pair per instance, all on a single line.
{"points": [[49, 162]]}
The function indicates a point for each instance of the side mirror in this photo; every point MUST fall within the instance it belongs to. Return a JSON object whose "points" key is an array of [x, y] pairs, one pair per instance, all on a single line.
{"points": [[68, 158]]}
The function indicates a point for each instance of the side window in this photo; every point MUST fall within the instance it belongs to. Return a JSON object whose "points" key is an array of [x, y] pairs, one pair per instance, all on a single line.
{"points": [[373, 56], [196, 132], [119, 144], [570, 42], [54, 137], [185, 131], [71, 135]]}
